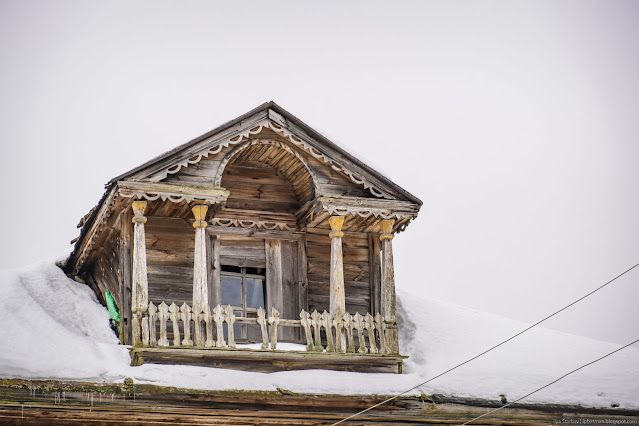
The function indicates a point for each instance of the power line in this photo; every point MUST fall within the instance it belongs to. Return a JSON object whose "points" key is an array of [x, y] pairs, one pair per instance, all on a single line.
{"points": [[545, 386], [487, 350]]}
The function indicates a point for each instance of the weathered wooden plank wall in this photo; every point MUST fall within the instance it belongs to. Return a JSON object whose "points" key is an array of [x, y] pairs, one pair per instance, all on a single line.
{"points": [[291, 287], [170, 250], [356, 271], [256, 186], [242, 251]]}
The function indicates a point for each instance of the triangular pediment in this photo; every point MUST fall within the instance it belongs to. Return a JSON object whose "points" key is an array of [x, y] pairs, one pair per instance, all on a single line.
{"points": [[292, 135]]}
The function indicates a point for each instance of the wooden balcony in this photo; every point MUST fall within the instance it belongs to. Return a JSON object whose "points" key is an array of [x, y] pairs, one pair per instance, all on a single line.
{"points": [[206, 337]]}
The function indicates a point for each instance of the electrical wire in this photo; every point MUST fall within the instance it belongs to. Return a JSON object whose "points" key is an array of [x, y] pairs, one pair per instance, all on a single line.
{"points": [[487, 350], [545, 386]]}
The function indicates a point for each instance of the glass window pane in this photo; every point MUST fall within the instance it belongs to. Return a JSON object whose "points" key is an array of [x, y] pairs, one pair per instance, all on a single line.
{"points": [[231, 290], [254, 293]]}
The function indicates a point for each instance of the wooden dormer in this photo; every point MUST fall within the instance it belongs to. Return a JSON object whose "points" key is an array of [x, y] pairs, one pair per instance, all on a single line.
{"points": [[263, 219]]}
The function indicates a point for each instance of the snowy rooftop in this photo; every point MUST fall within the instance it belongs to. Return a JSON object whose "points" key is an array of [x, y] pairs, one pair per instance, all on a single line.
{"points": [[56, 329]]}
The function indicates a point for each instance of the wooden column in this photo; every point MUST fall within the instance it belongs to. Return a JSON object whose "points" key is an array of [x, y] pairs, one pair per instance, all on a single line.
{"points": [[388, 308], [200, 267], [338, 297], [140, 287]]}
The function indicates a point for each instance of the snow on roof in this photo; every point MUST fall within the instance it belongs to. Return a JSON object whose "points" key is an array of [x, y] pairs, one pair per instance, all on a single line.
{"points": [[54, 328]]}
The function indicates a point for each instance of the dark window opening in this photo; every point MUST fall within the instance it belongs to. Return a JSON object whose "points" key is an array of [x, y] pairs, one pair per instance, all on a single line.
{"points": [[243, 289]]}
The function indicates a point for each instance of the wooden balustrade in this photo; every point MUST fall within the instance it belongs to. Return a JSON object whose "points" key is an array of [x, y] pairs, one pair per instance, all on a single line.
{"points": [[364, 334]]}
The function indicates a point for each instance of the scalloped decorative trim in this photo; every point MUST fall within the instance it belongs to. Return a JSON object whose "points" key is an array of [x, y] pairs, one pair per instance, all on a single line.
{"points": [[363, 212], [267, 123], [258, 224], [164, 196]]}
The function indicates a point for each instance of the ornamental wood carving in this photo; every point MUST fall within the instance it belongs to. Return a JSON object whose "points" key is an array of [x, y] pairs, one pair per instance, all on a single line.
{"points": [[244, 135], [363, 333]]}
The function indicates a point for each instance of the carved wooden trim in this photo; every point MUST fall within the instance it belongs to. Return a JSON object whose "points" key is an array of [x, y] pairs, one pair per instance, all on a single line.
{"points": [[364, 334], [363, 207], [217, 181], [152, 191], [257, 224], [287, 134]]}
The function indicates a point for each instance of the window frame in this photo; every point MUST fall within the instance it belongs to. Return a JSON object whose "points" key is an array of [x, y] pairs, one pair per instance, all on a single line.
{"points": [[244, 309]]}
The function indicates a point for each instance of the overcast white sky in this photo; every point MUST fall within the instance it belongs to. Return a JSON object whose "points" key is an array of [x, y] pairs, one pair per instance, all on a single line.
{"points": [[517, 124]]}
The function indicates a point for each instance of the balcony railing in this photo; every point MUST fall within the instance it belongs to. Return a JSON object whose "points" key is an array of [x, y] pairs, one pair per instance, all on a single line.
{"points": [[324, 332]]}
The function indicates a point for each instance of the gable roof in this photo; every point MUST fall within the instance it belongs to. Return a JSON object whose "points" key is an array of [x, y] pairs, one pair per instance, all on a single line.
{"points": [[323, 141]]}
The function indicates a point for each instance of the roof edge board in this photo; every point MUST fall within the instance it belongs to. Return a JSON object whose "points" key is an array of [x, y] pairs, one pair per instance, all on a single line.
{"points": [[194, 141], [196, 148], [321, 138]]}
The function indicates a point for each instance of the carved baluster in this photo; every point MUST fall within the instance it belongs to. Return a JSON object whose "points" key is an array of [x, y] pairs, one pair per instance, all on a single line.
{"points": [[305, 319], [261, 320], [274, 320], [370, 327], [185, 316], [327, 322], [340, 343], [358, 322], [381, 329], [218, 317], [145, 331], [348, 324], [163, 315], [209, 327], [316, 322], [229, 317], [175, 315], [198, 335], [153, 311]]}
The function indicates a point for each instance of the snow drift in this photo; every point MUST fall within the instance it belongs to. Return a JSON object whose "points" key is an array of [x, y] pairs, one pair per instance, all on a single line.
{"points": [[54, 328]]}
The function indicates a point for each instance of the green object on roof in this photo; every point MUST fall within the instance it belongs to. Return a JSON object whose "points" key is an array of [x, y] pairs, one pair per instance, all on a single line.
{"points": [[112, 307]]}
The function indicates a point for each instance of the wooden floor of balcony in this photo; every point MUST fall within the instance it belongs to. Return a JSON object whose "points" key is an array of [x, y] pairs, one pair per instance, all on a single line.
{"points": [[267, 361]]}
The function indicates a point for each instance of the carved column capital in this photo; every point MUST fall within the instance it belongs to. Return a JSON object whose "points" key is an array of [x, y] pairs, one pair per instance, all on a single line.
{"points": [[387, 229], [199, 212], [138, 211], [336, 223]]}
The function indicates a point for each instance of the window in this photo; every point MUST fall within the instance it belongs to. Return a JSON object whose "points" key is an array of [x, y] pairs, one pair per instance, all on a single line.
{"points": [[243, 289]]}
